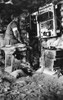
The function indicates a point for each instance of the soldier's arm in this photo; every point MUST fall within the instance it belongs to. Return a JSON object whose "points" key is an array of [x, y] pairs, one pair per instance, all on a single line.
{"points": [[16, 32]]}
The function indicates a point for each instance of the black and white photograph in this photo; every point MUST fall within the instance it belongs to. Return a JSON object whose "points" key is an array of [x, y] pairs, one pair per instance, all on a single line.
{"points": [[31, 49]]}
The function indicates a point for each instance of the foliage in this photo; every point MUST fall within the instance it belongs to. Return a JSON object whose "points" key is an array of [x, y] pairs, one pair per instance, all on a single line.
{"points": [[37, 87]]}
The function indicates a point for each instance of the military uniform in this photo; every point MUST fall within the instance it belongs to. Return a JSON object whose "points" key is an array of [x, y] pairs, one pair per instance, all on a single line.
{"points": [[12, 35]]}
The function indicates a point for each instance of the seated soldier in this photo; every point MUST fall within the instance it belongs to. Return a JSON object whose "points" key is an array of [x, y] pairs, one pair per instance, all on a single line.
{"points": [[12, 35]]}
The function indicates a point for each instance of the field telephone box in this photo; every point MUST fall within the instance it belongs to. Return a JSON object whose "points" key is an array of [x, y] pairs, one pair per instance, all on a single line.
{"points": [[46, 22]]}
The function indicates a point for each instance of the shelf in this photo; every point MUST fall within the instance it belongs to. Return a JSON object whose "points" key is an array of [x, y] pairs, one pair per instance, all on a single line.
{"points": [[56, 49], [49, 37]]}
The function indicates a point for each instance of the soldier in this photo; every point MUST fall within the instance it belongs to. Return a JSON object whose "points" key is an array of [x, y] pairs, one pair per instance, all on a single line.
{"points": [[12, 35], [23, 28]]}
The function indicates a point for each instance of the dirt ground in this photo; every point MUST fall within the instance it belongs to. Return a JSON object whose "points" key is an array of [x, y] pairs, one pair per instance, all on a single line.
{"points": [[37, 87]]}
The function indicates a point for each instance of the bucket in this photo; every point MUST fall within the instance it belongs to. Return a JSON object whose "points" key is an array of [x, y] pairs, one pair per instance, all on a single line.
{"points": [[49, 60]]}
